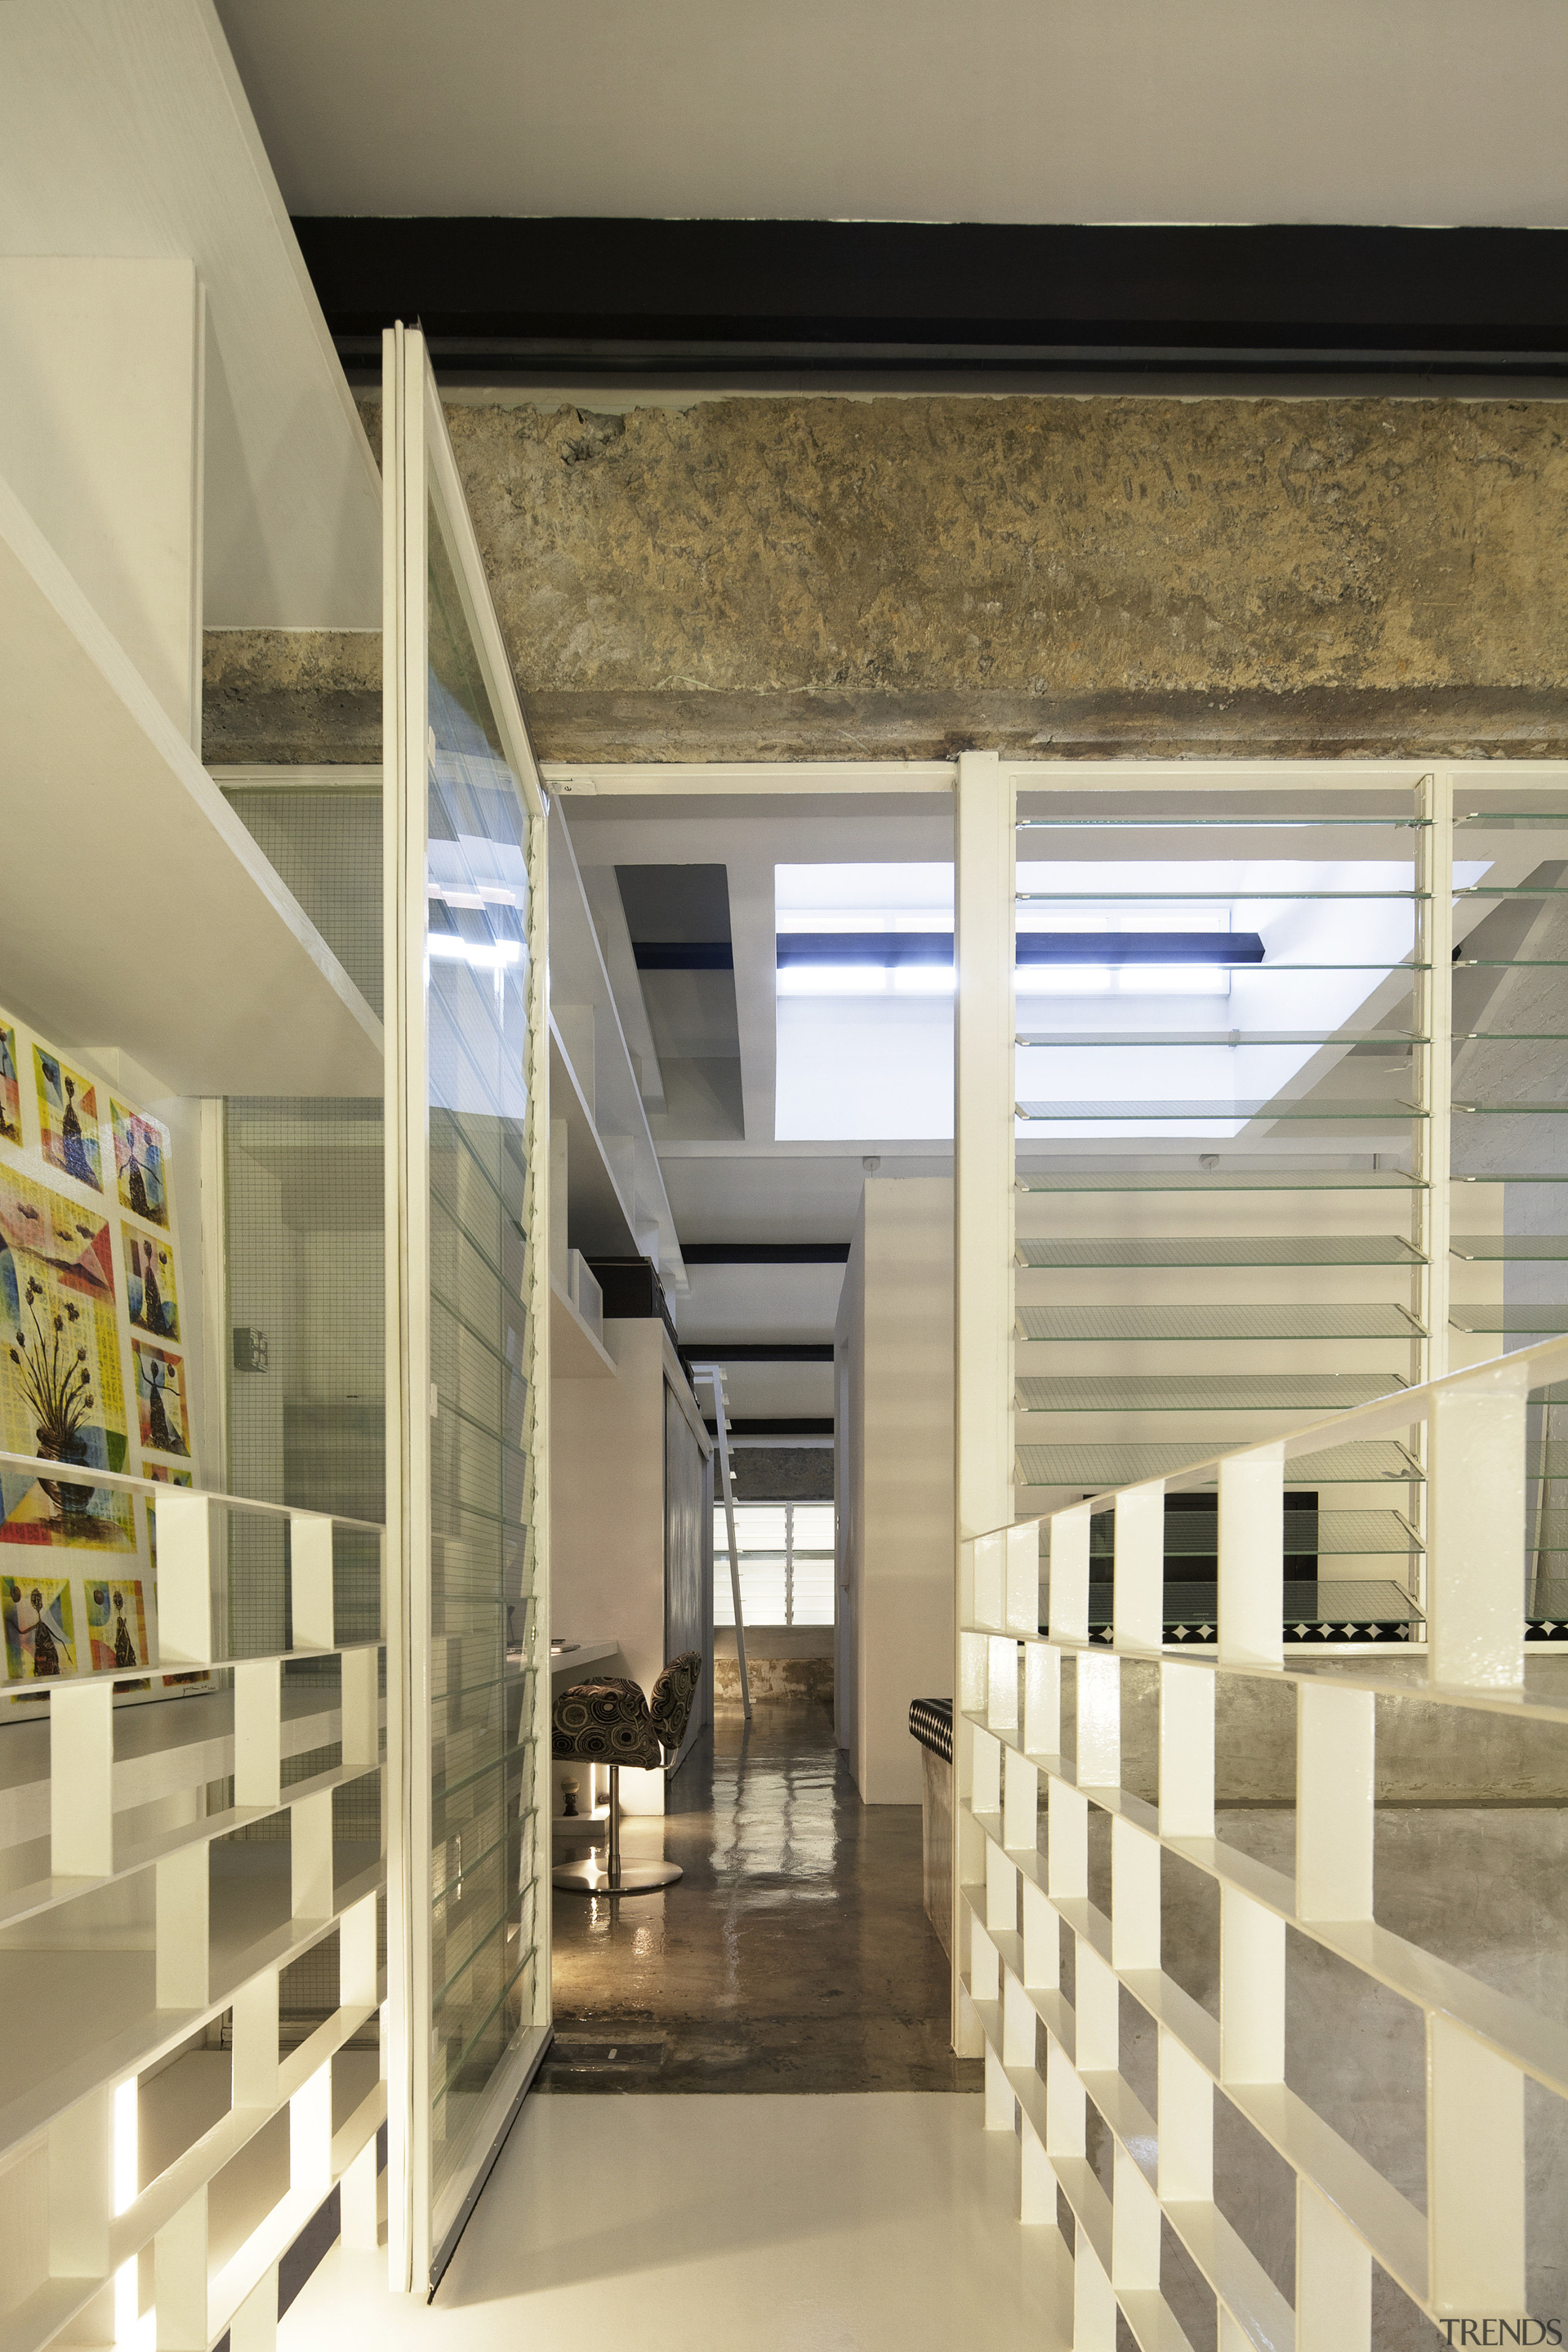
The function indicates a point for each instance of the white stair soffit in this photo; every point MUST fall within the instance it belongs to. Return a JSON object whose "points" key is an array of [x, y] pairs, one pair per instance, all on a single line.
{"points": [[137, 910]]}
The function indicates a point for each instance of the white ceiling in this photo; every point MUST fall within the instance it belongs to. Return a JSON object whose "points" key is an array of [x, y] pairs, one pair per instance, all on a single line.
{"points": [[1432, 111], [760, 1189]]}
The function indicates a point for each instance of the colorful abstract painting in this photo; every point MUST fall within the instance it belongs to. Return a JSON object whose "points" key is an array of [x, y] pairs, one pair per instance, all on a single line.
{"points": [[40, 1633], [139, 1145], [67, 1119], [150, 1284], [116, 1623], [61, 1397], [161, 1399], [10, 1089]]}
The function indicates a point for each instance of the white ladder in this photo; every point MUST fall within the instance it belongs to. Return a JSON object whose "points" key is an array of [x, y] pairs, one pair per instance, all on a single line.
{"points": [[721, 1429]]}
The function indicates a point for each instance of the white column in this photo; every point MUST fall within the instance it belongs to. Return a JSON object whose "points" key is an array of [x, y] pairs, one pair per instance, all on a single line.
{"points": [[81, 1767], [1134, 1897], [310, 2136], [1186, 2125], [359, 2219], [1433, 1064], [253, 2327], [257, 1732], [180, 2277], [1186, 1750], [184, 1577], [1138, 1600], [1475, 1532], [1336, 1739], [311, 1579], [985, 892], [361, 1711], [1252, 1558], [1475, 2175], [1069, 1574], [180, 1932], [80, 2188], [255, 2066], [311, 1856], [1251, 1990], [984, 895], [1333, 2278]]}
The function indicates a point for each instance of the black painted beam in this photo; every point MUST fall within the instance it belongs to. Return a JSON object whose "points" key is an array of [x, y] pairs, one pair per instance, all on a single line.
{"points": [[757, 1352], [741, 1430], [765, 1253], [609, 296]]}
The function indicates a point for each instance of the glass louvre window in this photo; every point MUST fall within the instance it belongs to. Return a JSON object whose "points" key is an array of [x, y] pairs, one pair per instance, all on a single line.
{"points": [[469, 1990], [786, 1564], [482, 1759]]}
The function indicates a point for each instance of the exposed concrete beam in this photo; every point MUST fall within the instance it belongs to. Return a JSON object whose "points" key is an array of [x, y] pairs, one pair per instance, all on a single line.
{"points": [[778, 578]]}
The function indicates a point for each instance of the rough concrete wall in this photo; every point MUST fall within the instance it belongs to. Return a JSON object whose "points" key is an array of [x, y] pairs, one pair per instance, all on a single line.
{"points": [[800, 1682], [777, 577], [290, 697], [1426, 1754]]}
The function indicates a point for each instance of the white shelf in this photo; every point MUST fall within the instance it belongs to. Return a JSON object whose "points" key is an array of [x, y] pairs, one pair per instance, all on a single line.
{"points": [[574, 1352], [185, 949], [614, 1186]]}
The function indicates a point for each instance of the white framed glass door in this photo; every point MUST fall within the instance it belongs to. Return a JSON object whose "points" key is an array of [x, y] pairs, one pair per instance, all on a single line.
{"points": [[468, 1929]]}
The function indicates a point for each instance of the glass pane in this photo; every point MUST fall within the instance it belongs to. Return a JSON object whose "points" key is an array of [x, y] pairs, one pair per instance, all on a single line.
{"points": [[813, 1529], [482, 1632], [1224, 1094]]}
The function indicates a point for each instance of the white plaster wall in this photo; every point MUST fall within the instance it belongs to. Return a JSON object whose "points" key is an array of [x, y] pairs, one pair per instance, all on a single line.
{"points": [[606, 1517], [897, 1461], [113, 483]]}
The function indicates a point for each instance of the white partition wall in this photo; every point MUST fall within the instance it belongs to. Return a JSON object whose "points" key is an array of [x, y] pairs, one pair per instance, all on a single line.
{"points": [[468, 1300]]}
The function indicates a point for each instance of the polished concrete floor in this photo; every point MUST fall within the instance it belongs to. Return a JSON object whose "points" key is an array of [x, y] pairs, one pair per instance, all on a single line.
{"points": [[768, 2224], [794, 1955]]}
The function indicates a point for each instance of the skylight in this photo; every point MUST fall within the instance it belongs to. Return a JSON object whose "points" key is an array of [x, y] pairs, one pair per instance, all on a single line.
{"points": [[864, 1029]]}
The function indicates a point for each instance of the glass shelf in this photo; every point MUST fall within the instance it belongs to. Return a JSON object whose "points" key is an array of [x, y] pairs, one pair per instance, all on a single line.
{"points": [[1485, 1248], [1513, 1176], [1315, 1534], [1295, 1107], [1062, 1324], [1235, 1178], [1200, 1250], [1096, 1468], [1510, 889], [1513, 1109], [1242, 893], [1311, 1392], [1509, 1036], [1229, 824], [1396, 1040], [1545, 1322], [1550, 1534], [1512, 817]]}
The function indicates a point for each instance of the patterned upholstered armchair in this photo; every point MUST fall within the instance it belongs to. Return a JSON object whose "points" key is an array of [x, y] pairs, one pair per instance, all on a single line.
{"points": [[610, 1722]]}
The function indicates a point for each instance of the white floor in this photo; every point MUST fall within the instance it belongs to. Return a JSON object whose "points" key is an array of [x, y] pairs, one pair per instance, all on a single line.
{"points": [[871, 2223]]}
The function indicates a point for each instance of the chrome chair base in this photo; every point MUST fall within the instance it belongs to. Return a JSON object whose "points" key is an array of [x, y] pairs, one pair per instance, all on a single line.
{"points": [[589, 1877]]}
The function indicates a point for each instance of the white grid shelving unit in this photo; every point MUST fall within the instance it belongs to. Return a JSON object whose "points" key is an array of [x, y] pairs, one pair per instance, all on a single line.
{"points": [[1064, 1846], [163, 2145]]}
